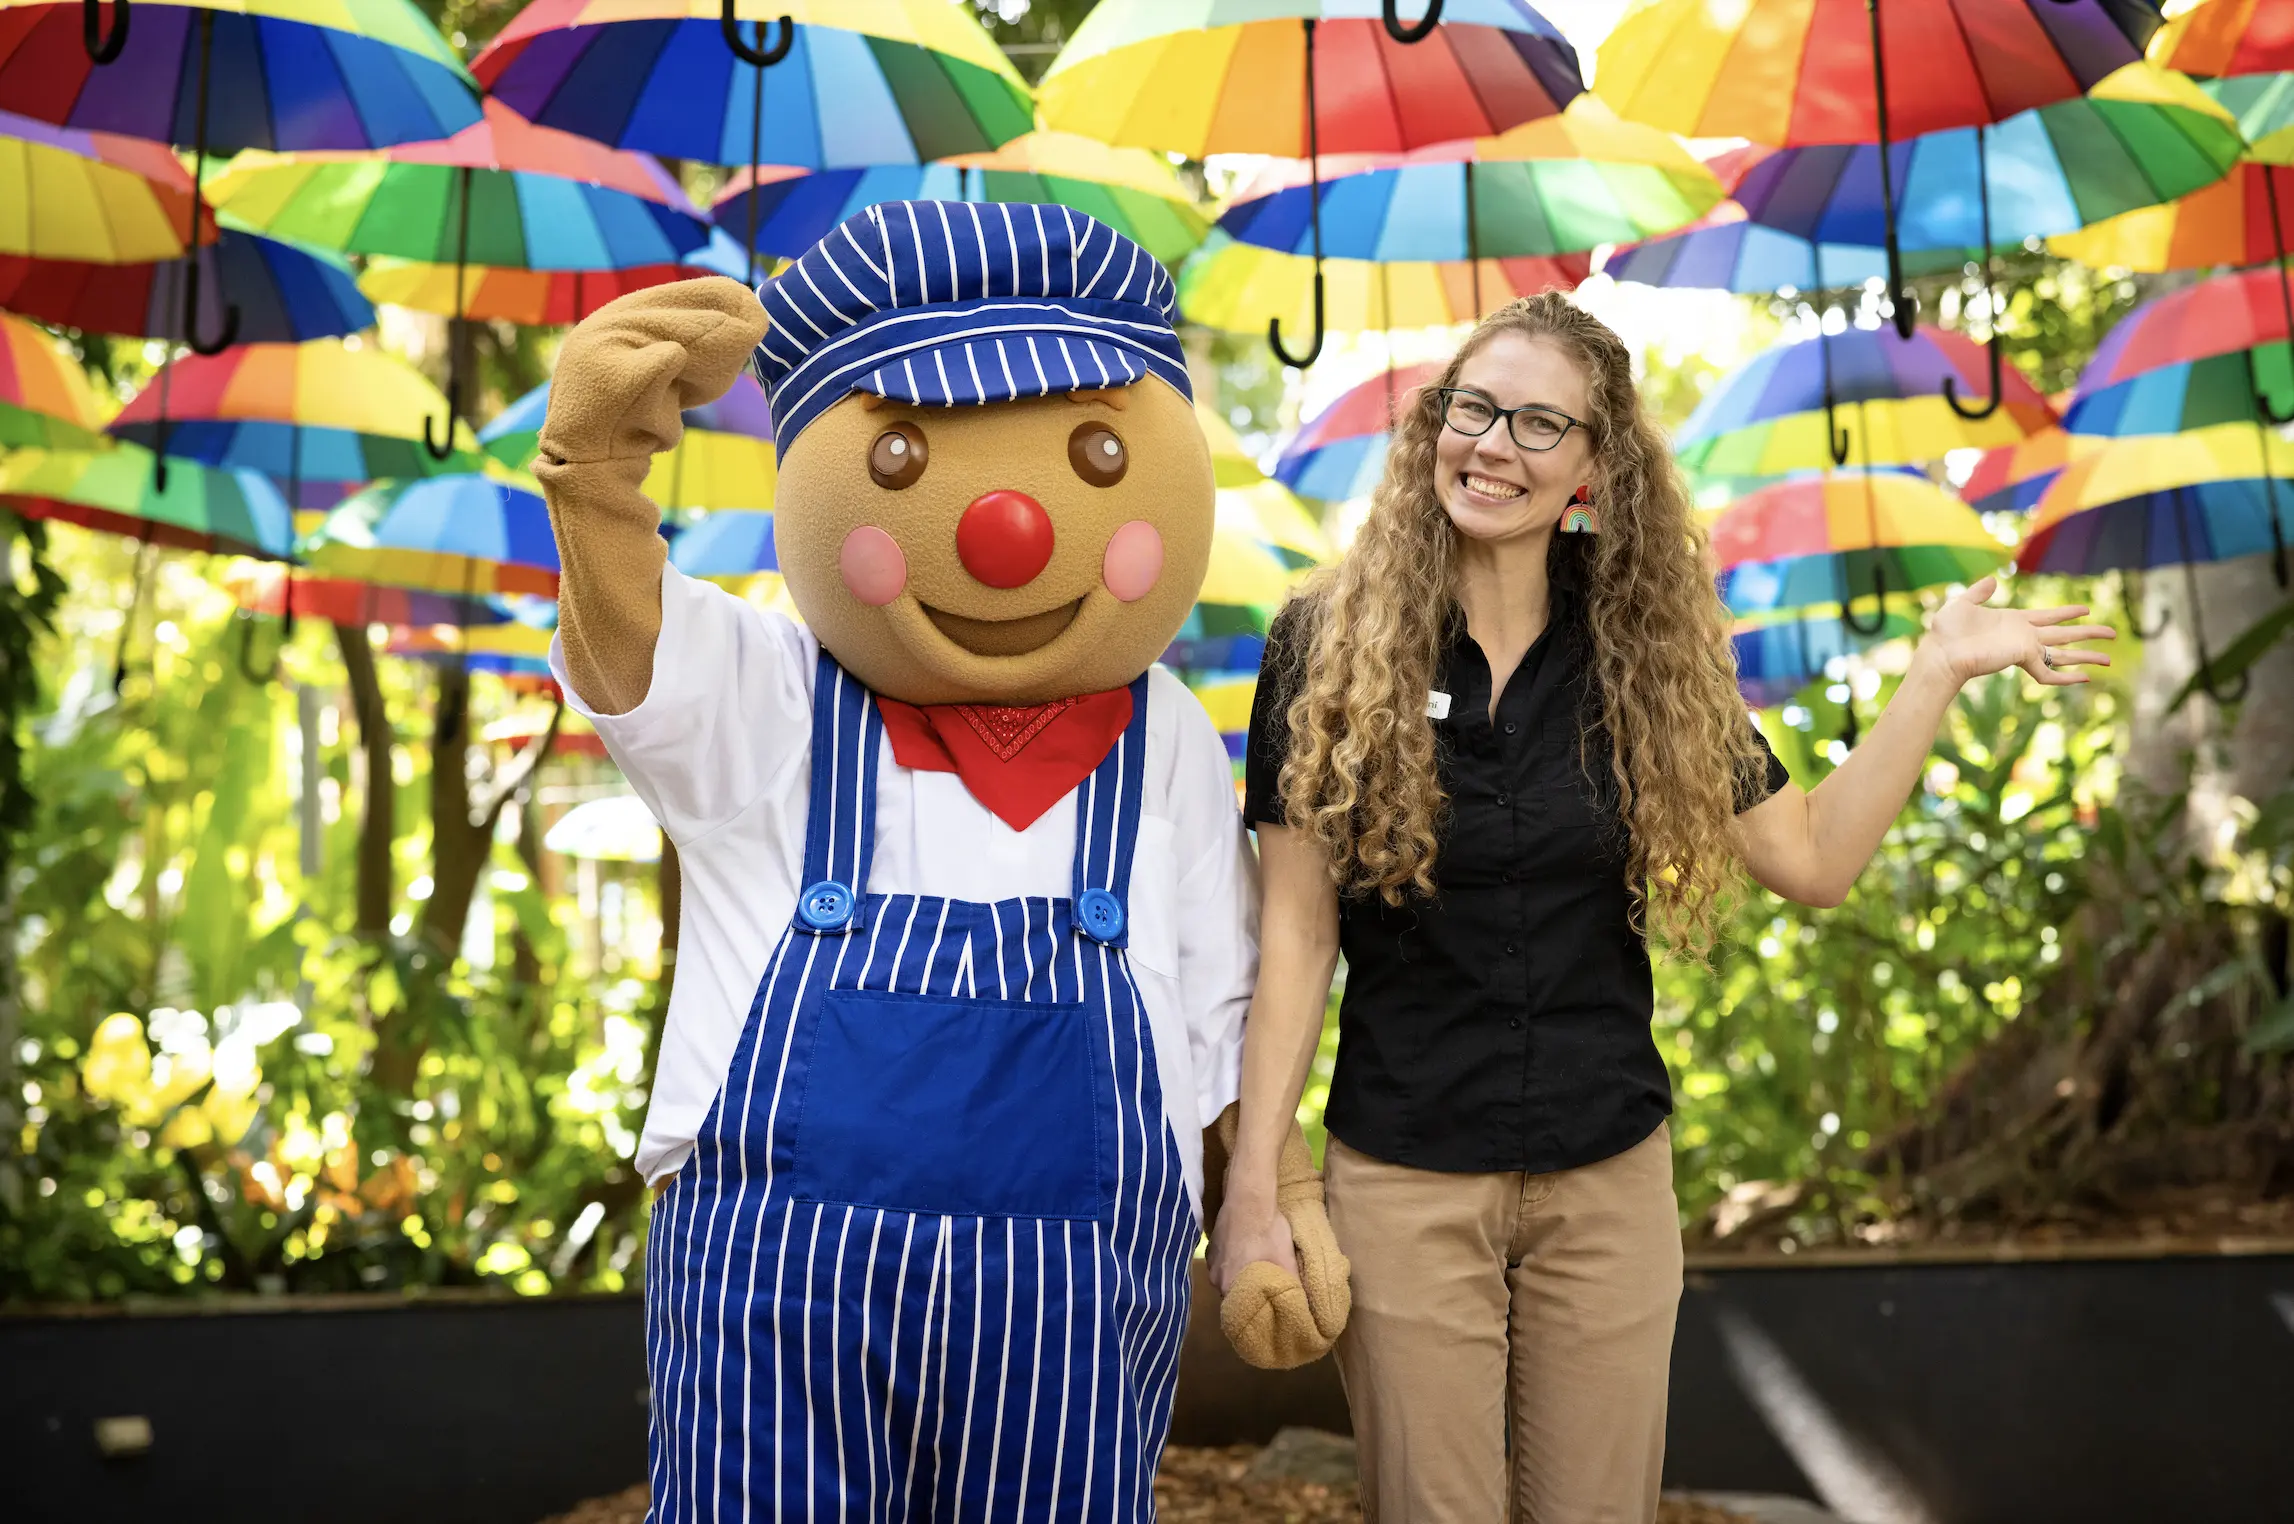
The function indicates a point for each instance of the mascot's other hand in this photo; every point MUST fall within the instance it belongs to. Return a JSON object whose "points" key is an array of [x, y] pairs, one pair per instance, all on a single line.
{"points": [[632, 366], [1275, 1320]]}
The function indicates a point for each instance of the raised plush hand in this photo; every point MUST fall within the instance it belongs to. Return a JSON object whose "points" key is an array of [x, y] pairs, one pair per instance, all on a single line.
{"points": [[622, 379], [1975, 640], [1276, 1320]]}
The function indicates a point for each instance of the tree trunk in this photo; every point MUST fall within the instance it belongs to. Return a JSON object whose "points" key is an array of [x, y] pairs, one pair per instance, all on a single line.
{"points": [[378, 807], [458, 844]]}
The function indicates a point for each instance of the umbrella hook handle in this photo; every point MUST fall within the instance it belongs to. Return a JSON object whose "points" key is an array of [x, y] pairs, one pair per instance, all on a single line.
{"points": [[437, 450], [1409, 34], [1899, 300], [2264, 411], [2262, 402], [2131, 599], [1850, 730], [1835, 437], [102, 49], [2204, 677], [763, 57], [247, 650], [1314, 207], [1991, 302], [1848, 617], [191, 266]]}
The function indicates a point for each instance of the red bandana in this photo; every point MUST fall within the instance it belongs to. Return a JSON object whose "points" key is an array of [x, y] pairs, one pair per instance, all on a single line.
{"points": [[1017, 759]]}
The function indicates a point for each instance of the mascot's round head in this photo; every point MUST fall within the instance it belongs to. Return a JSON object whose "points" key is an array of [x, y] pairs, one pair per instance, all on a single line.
{"points": [[992, 486]]}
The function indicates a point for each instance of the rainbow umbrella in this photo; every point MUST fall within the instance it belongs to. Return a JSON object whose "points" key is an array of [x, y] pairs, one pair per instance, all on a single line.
{"points": [[724, 459], [1725, 252], [2219, 39], [285, 293], [1269, 514], [1781, 411], [2011, 478], [1775, 659], [1227, 700], [732, 544], [315, 413], [786, 211], [468, 534], [234, 74], [1215, 76], [1233, 286], [1563, 185], [118, 491], [893, 82], [45, 398], [1231, 464], [1340, 452], [502, 192], [2158, 500], [276, 589], [491, 293], [92, 196], [1800, 72], [1818, 539]]}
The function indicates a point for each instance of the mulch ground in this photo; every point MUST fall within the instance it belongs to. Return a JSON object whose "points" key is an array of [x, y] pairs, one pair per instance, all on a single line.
{"points": [[1197, 1486]]}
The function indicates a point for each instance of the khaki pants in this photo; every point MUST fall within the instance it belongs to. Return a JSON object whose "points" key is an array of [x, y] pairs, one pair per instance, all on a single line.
{"points": [[1511, 1339]]}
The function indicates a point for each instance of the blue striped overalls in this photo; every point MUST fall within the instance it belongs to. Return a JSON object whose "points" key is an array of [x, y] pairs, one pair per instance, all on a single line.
{"points": [[928, 1257]]}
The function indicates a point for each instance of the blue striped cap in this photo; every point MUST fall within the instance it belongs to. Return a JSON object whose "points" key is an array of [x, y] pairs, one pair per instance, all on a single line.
{"points": [[943, 303]]}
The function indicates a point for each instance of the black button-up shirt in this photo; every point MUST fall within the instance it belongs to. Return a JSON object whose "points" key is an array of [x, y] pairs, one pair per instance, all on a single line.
{"points": [[1502, 1024]]}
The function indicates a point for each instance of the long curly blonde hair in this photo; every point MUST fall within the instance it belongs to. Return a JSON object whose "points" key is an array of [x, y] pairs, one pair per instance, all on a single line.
{"points": [[1364, 638]]}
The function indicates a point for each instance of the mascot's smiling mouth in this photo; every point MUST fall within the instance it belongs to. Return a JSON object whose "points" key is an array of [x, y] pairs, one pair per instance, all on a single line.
{"points": [[1004, 637]]}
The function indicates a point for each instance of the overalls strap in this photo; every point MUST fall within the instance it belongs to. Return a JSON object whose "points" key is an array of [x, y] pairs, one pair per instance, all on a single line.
{"points": [[840, 827], [1106, 821]]}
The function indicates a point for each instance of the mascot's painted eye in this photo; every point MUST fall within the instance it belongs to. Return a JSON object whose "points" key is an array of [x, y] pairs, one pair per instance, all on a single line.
{"points": [[1097, 455], [898, 457]]}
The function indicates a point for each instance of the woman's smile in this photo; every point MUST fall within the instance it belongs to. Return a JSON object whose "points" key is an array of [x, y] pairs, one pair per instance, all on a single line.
{"points": [[1490, 487]]}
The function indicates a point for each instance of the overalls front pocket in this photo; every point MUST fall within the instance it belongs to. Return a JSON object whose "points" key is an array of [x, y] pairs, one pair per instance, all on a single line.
{"points": [[946, 1105]]}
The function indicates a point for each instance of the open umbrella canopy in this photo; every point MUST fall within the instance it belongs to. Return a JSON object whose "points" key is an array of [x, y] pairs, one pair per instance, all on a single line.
{"points": [[468, 535], [2143, 137], [317, 412], [490, 293], [2011, 478], [2196, 394], [1200, 77], [1564, 184], [1777, 658], [2217, 39], [285, 293], [1725, 252], [116, 490], [45, 398], [1268, 513], [2165, 500], [1841, 511], [281, 74], [892, 82], [1770, 415], [2226, 314], [732, 544], [538, 199], [1340, 452], [724, 460], [1135, 192], [1238, 286], [2226, 223], [1231, 464], [277, 589], [1794, 72], [96, 196]]}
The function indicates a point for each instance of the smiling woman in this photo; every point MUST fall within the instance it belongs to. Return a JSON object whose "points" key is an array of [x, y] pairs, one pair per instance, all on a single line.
{"points": [[1491, 752]]}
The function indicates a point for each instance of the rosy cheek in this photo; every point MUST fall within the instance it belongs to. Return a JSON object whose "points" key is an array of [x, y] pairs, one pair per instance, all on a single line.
{"points": [[874, 569], [1134, 561]]}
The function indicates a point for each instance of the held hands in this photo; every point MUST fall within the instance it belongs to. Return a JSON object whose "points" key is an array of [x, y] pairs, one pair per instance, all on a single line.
{"points": [[1974, 640], [632, 366], [1284, 1297]]}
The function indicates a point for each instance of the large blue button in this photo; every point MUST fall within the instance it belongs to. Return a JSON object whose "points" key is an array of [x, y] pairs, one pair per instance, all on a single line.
{"points": [[826, 906], [1102, 915]]}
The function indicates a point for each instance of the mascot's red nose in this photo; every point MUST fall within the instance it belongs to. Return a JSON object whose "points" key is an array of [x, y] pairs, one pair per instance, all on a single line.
{"points": [[1004, 538]]}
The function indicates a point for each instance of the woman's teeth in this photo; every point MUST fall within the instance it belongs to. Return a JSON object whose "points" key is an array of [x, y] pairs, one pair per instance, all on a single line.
{"points": [[1488, 488]]}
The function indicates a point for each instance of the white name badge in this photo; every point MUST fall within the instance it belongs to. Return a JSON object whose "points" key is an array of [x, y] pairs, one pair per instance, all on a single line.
{"points": [[1437, 705]]}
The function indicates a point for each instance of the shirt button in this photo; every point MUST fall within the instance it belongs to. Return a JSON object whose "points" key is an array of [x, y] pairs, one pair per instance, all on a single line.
{"points": [[1511, 948], [1514, 1022], [1505, 878], [1504, 799], [1511, 727]]}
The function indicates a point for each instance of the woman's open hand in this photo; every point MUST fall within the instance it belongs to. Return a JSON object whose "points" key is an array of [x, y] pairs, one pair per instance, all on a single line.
{"points": [[1975, 640]]}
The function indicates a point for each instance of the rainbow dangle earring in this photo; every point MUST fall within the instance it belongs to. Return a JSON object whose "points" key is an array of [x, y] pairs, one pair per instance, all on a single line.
{"points": [[1578, 517]]}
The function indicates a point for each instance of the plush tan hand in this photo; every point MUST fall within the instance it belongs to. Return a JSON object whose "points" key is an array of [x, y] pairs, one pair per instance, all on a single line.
{"points": [[622, 378], [1274, 1319]]}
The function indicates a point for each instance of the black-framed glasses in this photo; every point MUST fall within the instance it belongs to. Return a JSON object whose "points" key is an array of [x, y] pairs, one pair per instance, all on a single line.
{"points": [[1533, 427]]}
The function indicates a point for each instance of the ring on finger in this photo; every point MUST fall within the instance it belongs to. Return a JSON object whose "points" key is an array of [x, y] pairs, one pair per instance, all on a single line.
{"points": [[2046, 657]]}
